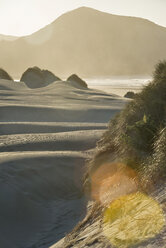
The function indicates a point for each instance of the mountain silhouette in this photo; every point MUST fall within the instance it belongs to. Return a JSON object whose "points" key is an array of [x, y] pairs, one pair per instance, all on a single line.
{"points": [[89, 43]]}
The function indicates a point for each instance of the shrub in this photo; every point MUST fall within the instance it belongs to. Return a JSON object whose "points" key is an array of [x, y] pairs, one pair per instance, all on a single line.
{"points": [[132, 133], [156, 171]]}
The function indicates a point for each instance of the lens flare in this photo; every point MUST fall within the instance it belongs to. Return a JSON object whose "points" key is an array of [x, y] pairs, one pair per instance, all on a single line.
{"points": [[132, 219], [111, 181]]}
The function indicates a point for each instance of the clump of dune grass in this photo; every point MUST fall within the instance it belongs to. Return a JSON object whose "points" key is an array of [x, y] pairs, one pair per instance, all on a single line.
{"points": [[156, 171], [136, 137], [132, 135]]}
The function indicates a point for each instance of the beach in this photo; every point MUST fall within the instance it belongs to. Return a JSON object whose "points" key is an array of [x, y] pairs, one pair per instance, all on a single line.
{"points": [[46, 136]]}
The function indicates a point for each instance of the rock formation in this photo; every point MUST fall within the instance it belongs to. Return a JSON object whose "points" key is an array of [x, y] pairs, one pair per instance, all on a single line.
{"points": [[35, 77], [4, 75], [130, 94], [74, 78]]}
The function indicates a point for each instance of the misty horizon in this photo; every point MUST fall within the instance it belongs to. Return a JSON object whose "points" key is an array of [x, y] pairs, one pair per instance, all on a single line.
{"points": [[89, 43]]}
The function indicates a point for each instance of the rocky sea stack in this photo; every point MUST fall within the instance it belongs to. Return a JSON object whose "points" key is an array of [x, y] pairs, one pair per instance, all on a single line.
{"points": [[74, 78], [130, 94], [4, 75], [36, 78]]}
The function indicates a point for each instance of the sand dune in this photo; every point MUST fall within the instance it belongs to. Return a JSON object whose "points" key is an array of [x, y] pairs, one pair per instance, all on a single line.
{"points": [[69, 114], [47, 127], [45, 138], [68, 141], [11, 86], [38, 196], [90, 234]]}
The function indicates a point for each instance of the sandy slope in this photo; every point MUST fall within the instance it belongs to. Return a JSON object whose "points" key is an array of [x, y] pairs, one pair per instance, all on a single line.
{"points": [[47, 127], [45, 136], [90, 232]]}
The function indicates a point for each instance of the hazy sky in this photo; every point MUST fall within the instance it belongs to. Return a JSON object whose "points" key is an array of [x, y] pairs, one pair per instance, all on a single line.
{"points": [[21, 17]]}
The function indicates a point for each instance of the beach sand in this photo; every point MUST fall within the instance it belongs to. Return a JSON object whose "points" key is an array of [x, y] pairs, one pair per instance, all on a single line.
{"points": [[46, 136]]}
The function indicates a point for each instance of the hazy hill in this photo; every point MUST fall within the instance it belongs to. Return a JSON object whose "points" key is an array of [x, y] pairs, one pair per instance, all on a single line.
{"points": [[7, 37], [90, 43]]}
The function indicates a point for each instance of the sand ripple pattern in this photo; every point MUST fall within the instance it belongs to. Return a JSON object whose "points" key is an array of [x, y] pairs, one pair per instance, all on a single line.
{"points": [[46, 136]]}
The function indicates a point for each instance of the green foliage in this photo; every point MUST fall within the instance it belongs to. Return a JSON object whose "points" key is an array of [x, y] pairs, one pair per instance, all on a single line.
{"points": [[160, 71], [132, 133], [140, 134], [157, 163]]}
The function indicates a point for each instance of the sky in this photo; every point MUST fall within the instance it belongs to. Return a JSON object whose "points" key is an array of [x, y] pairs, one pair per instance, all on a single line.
{"points": [[23, 17]]}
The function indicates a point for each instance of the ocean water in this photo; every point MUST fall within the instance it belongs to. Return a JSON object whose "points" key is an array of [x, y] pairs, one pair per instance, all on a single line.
{"points": [[118, 85]]}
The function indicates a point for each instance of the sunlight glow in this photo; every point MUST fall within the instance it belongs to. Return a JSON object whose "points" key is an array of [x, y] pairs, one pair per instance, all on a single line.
{"points": [[112, 180], [132, 219]]}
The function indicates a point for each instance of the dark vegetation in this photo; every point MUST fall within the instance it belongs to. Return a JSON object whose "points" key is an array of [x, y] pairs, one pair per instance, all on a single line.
{"points": [[4, 75], [130, 94], [74, 78], [35, 77], [157, 163], [137, 135]]}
